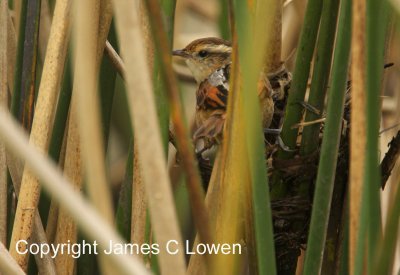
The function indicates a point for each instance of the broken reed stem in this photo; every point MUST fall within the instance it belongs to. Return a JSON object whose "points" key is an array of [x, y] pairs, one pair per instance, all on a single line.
{"points": [[42, 125], [115, 59], [358, 130], [185, 148], [59, 188]]}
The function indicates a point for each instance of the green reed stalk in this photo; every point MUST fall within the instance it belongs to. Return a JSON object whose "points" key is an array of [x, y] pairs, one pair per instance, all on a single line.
{"points": [[376, 25], [320, 78], [162, 105], [330, 145], [249, 26], [293, 114], [383, 263]]}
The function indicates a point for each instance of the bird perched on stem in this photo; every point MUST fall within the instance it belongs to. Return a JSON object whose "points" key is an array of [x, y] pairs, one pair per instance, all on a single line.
{"points": [[209, 60]]}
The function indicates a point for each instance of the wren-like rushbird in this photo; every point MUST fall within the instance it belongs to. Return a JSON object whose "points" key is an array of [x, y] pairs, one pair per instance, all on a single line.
{"points": [[209, 60]]}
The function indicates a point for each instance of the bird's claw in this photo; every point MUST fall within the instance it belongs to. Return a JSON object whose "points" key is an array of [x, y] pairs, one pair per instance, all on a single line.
{"points": [[279, 140], [309, 107], [283, 146]]}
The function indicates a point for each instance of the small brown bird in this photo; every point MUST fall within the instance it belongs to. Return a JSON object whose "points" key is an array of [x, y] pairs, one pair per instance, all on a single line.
{"points": [[209, 60]]}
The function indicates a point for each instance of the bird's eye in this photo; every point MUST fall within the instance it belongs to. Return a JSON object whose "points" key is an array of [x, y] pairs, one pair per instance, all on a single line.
{"points": [[203, 53]]}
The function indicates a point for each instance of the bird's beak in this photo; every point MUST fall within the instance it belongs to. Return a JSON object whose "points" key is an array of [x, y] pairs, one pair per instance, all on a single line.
{"points": [[181, 53]]}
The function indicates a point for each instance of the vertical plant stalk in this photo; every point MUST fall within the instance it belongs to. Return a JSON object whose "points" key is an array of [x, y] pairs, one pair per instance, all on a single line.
{"points": [[254, 33], [196, 194], [66, 226], [274, 51], [330, 145], [224, 23], [197, 263], [226, 211], [320, 78], [73, 161], [38, 235], [162, 104], [45, 264], [59, 188], [4, 103], [28, 72], [58, 135], [139, 220], [298, 88], [139, 204], [123, 216], [16, 98], [11, 51], [358, 130], [17, 8], [65, 232], [376, 26], [106, 15], [51, 226], [88, 104], [148, 136], [44, 29], [383, 263], [41, 127], [89, 122], [249, 229]]}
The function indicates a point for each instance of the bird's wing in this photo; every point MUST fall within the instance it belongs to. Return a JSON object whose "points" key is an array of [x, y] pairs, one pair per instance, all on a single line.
{"points": [[213, 92], [212, 127]]}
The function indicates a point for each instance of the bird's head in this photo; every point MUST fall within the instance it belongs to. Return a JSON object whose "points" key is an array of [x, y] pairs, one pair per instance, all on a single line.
{"points": [[206, 55]]}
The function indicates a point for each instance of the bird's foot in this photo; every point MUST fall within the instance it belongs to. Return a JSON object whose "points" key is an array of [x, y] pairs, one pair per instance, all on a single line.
{"points": [[283, 146], [279, 141], [309, 107]]}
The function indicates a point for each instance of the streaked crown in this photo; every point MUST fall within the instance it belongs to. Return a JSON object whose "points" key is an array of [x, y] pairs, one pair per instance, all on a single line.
{"points": [[206, 55]]}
